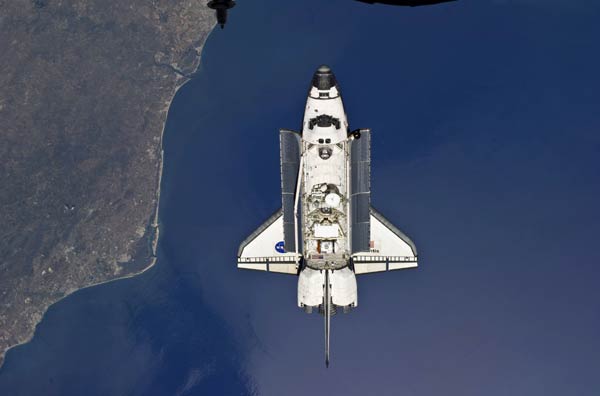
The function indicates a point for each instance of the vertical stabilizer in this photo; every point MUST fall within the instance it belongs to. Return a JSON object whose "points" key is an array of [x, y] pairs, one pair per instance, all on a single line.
{"points": [[327, 315]]}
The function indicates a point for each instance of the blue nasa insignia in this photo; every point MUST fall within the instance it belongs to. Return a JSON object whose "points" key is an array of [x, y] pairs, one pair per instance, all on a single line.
{"points": [[280, 247]]}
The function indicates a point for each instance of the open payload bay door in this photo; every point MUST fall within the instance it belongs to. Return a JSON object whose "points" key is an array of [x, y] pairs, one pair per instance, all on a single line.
{"points": [[264, 249], [272, 246], [389, 248]]}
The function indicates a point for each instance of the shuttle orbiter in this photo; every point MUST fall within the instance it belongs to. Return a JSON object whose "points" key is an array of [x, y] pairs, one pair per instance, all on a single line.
{"points": [[326, 231]]}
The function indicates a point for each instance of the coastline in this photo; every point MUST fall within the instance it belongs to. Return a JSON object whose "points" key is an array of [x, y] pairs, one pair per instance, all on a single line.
{"points": [[181, 80]]}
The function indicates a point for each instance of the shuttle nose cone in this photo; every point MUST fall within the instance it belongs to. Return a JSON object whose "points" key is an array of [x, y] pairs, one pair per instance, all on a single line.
{"points": [[323, 79], [324, 69]]}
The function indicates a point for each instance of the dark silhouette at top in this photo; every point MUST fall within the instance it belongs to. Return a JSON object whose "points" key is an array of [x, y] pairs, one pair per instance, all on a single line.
{"points": [[221, 6], [410, 3]]}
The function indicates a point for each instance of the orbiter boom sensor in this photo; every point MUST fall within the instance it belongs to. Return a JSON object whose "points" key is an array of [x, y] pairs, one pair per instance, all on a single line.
{"points": [[326, 231]]}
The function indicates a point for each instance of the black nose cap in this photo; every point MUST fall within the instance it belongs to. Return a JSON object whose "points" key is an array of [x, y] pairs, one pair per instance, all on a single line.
{"points": [[323, 79]]}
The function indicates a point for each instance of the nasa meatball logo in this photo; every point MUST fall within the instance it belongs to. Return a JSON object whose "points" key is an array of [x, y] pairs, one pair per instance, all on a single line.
{"points": [[280, 247]]}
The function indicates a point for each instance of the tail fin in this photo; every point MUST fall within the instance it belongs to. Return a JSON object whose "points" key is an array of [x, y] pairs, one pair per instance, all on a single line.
{"points": [[327, 315]]}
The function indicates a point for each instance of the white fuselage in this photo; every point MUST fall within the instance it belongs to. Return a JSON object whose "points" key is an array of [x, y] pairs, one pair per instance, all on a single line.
{"points": [[324, 202], [326, 231]]}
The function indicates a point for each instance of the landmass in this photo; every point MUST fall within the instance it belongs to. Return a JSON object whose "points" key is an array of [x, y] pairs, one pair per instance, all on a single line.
{"points": [[85, 87]]}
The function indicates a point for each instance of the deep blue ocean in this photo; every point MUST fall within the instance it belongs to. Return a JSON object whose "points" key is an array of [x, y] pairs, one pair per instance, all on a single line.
{"points": [[486, 151]]}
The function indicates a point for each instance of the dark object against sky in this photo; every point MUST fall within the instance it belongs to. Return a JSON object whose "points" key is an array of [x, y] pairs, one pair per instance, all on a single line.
{"points": [[221, 6], [410, 3]]}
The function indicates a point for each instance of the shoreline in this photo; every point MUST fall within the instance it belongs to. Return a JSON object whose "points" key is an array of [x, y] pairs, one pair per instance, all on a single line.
{"points": [[154, 221], [133, 274]]}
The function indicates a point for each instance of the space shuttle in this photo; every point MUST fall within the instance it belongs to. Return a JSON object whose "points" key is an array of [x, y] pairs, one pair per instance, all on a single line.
{"points": [[326, 231]]}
